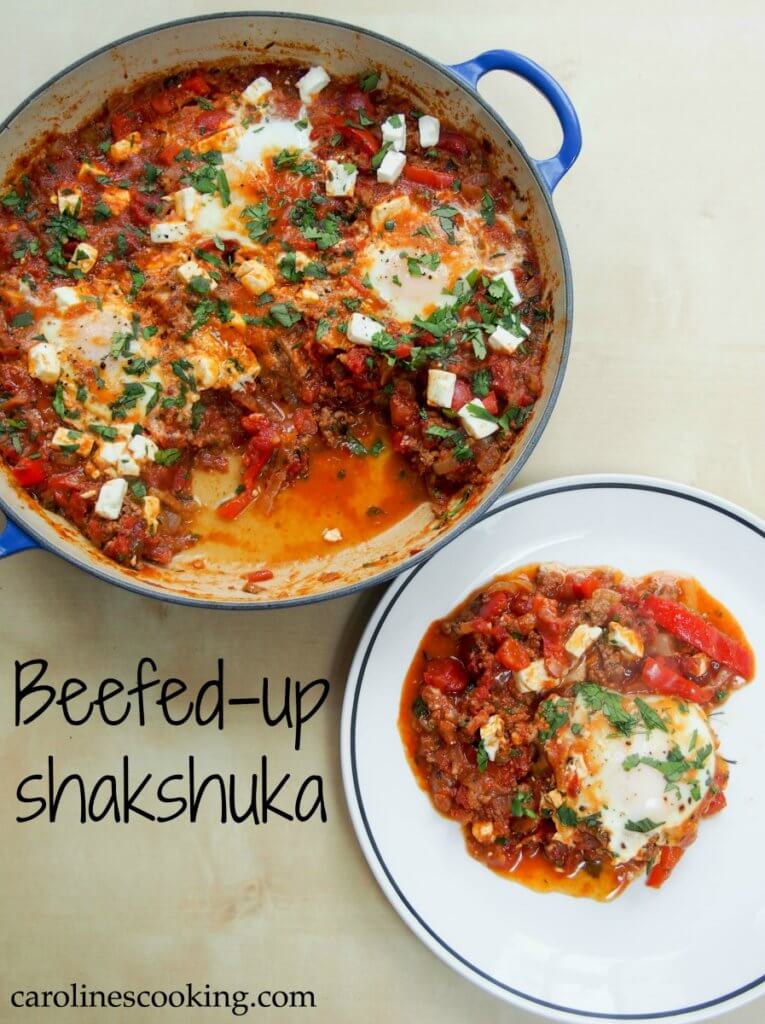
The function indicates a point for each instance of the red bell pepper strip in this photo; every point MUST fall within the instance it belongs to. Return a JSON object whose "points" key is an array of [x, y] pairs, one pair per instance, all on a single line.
{"points": [[360, 135], [663, 866], [259, 450], [685, 624], [428, 177], [447, 674], [235, 506], [662, 678], [29, 472]]}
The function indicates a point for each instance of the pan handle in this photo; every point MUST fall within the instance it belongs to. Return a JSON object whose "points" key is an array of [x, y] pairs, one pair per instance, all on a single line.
{"points": [[551, 170], [13, 540]]}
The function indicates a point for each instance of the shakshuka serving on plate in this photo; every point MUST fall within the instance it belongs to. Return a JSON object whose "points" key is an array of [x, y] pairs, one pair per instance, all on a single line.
{"points": [[253, 287], [564, 718]]}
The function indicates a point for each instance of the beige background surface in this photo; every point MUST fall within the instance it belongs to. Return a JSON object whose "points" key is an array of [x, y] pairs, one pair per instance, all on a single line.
{"points": [[665, 220]]}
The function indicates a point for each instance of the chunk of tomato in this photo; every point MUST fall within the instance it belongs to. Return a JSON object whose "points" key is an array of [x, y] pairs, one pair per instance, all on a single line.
{"points": [[29, 472], [447, 674], [513, 655]]}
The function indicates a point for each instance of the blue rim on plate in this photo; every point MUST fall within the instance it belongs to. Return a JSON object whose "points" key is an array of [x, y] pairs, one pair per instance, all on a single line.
{"points": [[350, 767], [19, 534]]}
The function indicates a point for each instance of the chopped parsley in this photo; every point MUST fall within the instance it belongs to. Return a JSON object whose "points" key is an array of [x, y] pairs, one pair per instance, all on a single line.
{"points": [[651, 719], [167, 456], [596, 698], [429, 261], [289, 160], [324, 231], [285, 314], [643, 825], [488, 211], [520, 805], [25, 319], [514, 415], [445, 215], [369, 81], [460, 447], [555, 714], [257, 221]]}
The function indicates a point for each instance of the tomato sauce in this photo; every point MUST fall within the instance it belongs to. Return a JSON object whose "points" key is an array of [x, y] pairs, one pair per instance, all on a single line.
{"points": [[228, 273], [458, 683]]}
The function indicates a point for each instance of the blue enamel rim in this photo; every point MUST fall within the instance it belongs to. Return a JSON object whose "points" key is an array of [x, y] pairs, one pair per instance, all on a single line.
{"points": [[20, 535], [390, 600]]}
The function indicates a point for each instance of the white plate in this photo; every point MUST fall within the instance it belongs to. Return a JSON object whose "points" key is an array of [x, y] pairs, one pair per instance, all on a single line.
{"points": [[691, 950]]}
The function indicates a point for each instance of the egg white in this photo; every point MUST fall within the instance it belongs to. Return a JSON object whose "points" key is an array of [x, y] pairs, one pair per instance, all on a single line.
{"points": [[622, 794]]}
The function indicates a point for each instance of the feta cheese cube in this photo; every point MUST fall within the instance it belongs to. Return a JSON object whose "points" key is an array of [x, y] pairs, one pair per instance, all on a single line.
{"points": [[332, 536], [394, 131], [66, 297], [72, 440], [83, 257], [430, 131], [361, 329], [186, 202], [492, 734], [44, 363], [389, 210], [110, 498], [502, 340], [441, 384], [151, 509], [627, 639], [256, 91], [207, 370], [391, 167], [123, 149], [255, 276], [341, 178], [476, 426], [509, 278], [534, 678], [191, 269], [312, 82], [582, 639], [168, 232], [115, 455], [142, 448], [70, 201]]}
